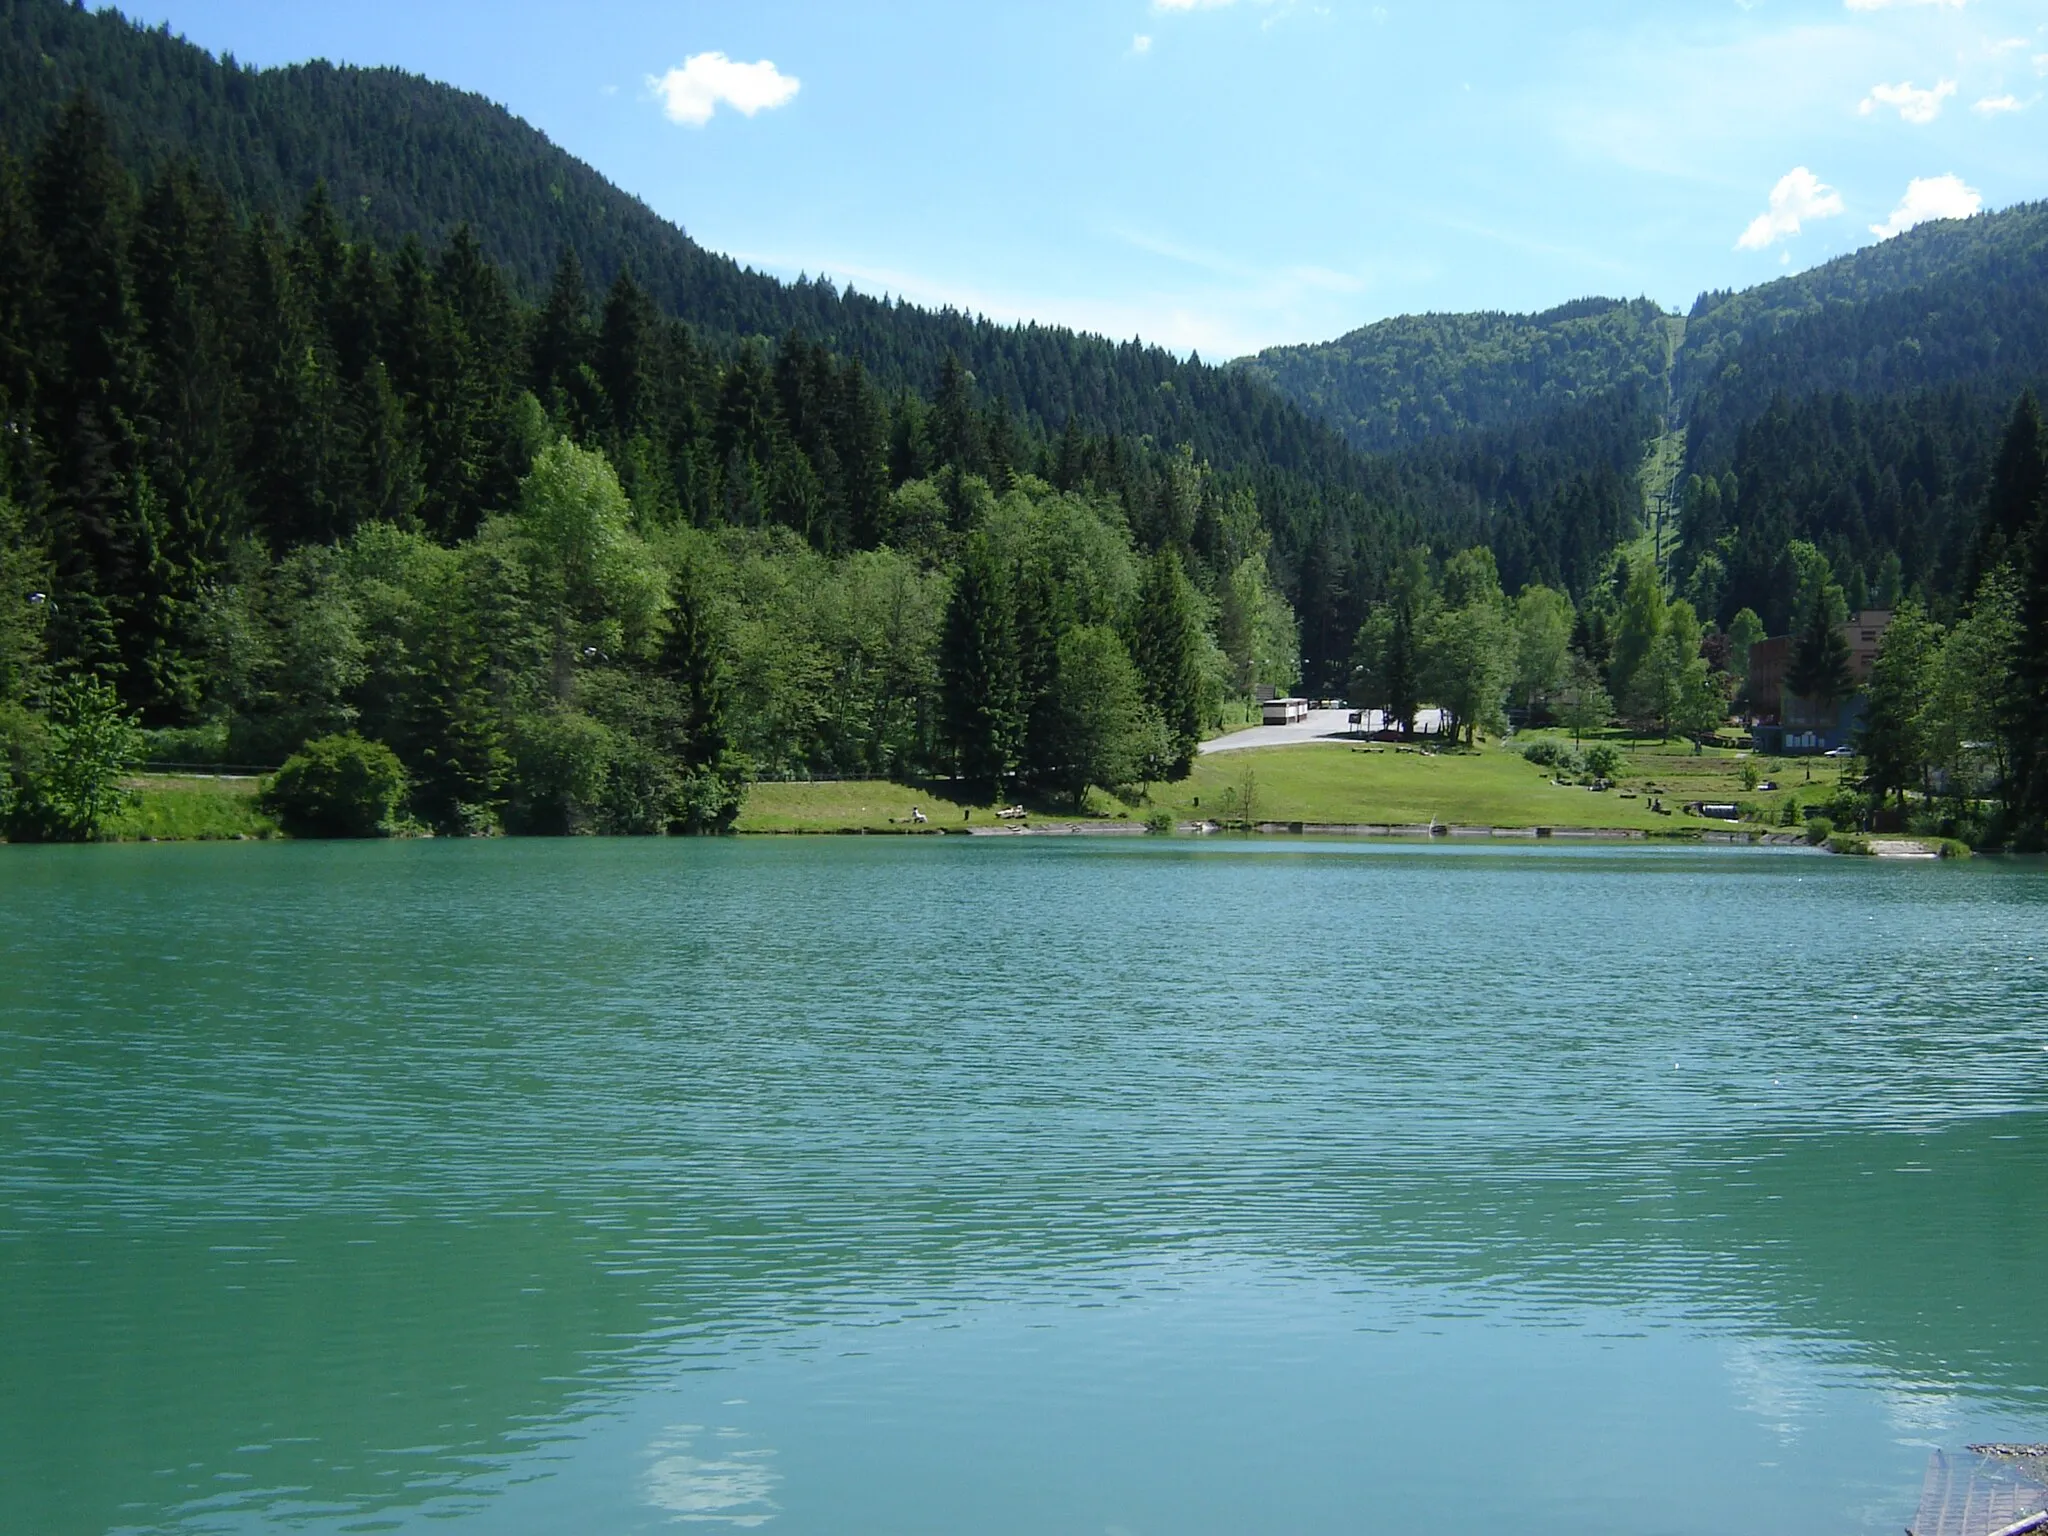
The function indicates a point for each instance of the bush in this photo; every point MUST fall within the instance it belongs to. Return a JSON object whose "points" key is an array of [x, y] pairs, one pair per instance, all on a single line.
{"points": [[1160, 824], [1604, 761], [89, 743], [1818, 830], [200, 746], [1850, 843], [1554, 755], [338, 786]]}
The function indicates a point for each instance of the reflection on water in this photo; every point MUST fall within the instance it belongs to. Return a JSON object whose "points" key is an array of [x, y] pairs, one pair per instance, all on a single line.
{"points": [[859, 1186]]}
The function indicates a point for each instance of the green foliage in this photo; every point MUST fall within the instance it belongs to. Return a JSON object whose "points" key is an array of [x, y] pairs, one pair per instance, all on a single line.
{"points": [[24, 605], [1641, 623], [309, 460], [1108, 733], [981, 688], [1818, 830], [1604, 761], [1468, 659], [1166, 646], [338, 787], [1543, 634], [574, 515], [75, 791], [1895, 740], [1423, 376], [1586, 704], [1554, 755], [1819, 669]]}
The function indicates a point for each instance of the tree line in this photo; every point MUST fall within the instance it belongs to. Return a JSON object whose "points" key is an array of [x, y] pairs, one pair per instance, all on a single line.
{"points": [[1958, 705], [571, 564]]}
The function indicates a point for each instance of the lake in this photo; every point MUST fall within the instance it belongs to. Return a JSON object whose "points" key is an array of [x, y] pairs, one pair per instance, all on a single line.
{"points": [[1126, 1189]]}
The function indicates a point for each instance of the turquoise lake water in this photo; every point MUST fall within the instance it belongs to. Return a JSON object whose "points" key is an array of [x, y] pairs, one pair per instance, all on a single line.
{"points": [[1136, 1189]]}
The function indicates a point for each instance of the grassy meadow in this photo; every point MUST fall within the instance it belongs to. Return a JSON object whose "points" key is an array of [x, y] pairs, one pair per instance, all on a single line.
{"points": [[180, 810], [1333, 782], [1359, 783]]}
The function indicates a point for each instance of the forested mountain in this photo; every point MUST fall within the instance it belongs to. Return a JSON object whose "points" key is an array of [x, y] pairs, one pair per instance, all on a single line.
{"points": [[1858, 408], [1417, 377], [336, 400], [402, 156]]}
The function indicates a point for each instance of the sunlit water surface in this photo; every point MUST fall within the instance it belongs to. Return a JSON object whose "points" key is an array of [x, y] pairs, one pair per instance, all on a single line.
{"points": [[1152, 1189]]}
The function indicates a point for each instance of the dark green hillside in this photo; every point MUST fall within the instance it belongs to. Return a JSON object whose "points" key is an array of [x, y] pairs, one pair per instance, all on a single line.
{"points": [[405, 157], [1959, 303], [1421, 376], [1998, 248]]}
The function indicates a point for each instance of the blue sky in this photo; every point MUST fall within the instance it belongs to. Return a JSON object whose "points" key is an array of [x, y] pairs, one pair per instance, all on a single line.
{"points": [[1223, 175]]}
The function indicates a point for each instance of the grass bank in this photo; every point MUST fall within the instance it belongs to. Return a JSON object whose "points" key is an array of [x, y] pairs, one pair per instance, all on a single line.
{"points": [[1352, 784], [876, 806], [182, 810], [1495, 787]]}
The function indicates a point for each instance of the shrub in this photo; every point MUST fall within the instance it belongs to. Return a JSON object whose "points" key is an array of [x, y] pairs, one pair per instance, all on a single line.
{"points": [[203, 746], [1849, 843], [92, 741], [1818, 830], [338, 786], [1160, 824], [1952, 848], [1750, 777], [1604, 761]]}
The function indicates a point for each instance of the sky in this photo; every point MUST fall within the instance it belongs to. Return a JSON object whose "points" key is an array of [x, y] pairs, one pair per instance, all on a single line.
{"points": [[1224, 175]]}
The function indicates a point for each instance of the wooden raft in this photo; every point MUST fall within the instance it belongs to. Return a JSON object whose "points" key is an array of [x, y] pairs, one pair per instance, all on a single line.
{"points": [[1977, 1496]]}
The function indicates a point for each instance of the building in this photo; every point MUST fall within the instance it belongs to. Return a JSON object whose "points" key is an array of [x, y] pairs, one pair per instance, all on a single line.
{"points": [[1787, 723], [1284, 711]]}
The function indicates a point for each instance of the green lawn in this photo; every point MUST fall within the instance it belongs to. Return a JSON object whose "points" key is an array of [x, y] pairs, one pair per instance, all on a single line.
{"points": [[192, 810], [1352, 785], [1495, 787], [1345, 784], [864, 807]]}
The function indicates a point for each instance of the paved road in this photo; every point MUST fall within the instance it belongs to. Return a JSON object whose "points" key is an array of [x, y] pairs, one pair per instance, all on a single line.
{"points": [[1321, 725]]}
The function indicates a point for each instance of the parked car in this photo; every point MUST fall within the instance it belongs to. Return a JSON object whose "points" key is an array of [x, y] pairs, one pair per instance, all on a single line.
{"points": [[1839, 752]]}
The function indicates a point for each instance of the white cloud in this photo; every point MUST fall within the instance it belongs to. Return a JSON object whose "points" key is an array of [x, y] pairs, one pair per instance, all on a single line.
{"points": [[1141, 44], [1930, 197], [2041, 63], [1915, 105], [1991, 106], [708, 80], [1798, 197]]}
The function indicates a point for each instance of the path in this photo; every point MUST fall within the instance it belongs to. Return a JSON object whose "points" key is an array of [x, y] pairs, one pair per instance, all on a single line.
{"points": [[1321, 725]]}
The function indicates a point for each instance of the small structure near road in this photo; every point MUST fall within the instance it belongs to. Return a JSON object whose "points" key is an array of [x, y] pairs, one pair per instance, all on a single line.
{"points": [[1284, 711]]}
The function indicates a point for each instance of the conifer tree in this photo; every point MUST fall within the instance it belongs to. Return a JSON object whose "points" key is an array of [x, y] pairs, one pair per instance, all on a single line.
{"points": [[1166, 646], [1819, 669], [563, 343], [2019, 481], [2027, 711], [955, 426], [1894, 738], [979, 684], [625, 361]]}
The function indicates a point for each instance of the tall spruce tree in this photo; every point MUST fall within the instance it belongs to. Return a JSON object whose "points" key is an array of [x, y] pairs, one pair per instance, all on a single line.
{"points": [[1894, 738], [980, 691], [2019, 480], [1166, 645], [2027, 711], [1819, 669]]}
